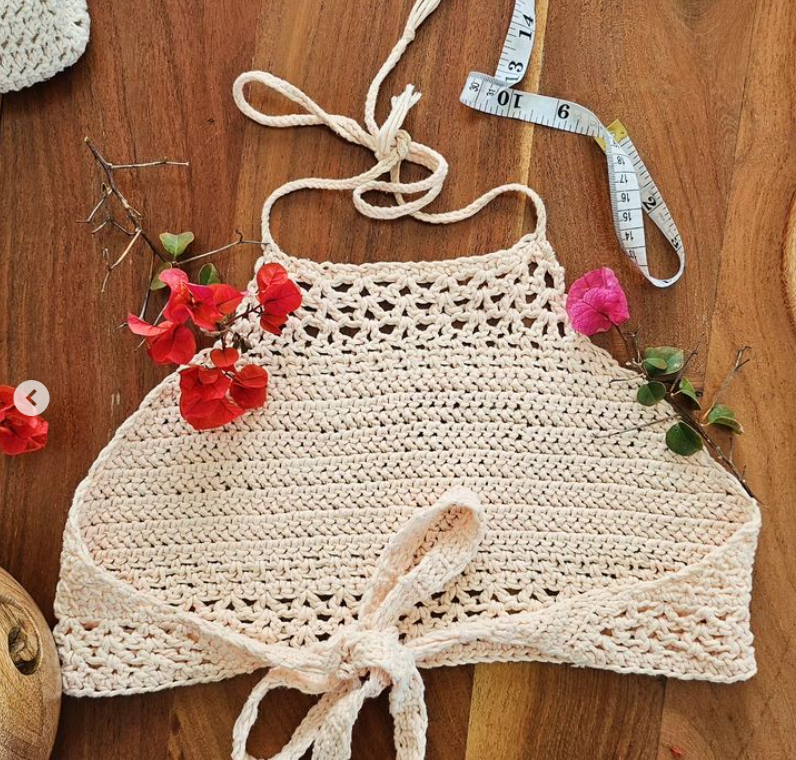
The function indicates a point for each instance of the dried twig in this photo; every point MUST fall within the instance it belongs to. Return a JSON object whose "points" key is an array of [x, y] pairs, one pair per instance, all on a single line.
{"points": [[110, 188], [683, 412], [740, 363], [148, 164], [120, 259], [681, 373], [240, 241], [133, 220], [148, 289], [614, 433], [689, 416], [131, 224]]}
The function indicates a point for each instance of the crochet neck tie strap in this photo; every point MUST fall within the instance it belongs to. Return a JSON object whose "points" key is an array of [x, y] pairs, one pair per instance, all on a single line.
{"points": [[363, 659], [390, 143]]}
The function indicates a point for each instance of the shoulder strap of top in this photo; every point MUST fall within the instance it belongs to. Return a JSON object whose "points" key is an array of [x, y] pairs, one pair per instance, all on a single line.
{"points": [[390, 143]]}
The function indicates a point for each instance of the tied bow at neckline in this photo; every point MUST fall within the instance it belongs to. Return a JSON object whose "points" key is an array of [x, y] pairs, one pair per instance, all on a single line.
{"points": [[389, 142], [361, 660], [391, 145]]}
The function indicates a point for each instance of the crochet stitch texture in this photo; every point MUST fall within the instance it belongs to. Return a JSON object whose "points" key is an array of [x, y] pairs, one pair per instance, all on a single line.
{"points": [[430, 483], [39, 38]]}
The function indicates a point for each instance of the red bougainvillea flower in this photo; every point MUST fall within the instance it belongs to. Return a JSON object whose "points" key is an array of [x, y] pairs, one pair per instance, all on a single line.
{"points": [[224, 358], [278, 296], [213, 396], [19, 434], [596, 302], [203, 402], [206, 305], [249, 386], [168, 342]]}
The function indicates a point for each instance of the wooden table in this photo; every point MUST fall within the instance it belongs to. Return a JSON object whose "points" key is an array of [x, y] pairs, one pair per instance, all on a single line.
{"points": [[708, 90]]}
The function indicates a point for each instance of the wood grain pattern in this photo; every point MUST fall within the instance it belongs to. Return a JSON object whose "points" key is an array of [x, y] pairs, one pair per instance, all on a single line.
{"points": [[707, 89], [757, 719]]}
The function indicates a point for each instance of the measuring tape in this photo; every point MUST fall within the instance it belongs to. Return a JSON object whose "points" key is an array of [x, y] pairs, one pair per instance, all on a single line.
{"points": [[631, 188]]}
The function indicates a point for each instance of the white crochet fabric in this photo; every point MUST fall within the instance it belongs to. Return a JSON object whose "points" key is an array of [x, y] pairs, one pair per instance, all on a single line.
{"points": [[430, 483], [39, 38]]}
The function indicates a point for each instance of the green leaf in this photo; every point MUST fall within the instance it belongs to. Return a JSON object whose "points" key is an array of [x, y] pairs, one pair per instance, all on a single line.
{"points": [[682, 439], [664, 360], [654, 366], [721, 414], [176, 244], [650, 394], [686, 388], [157, 283], [208, 275]]}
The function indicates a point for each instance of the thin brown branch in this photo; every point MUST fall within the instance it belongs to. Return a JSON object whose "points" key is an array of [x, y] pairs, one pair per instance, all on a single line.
{"points": [[239, 241], [740, 363], [614, 433], [687, 417], [725, 460], [636, 347], [121, 258], [624, 340], [689, 358], [105, 195], [111, 188], [148, 164], [122, 228], [148, 288]]}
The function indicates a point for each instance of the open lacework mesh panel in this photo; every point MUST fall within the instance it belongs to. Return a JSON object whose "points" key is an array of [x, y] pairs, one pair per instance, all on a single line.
{"points": [[353, 312], [390, 385]]}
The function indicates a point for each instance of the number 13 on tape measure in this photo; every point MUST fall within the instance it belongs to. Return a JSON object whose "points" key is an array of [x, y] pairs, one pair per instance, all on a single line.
{"points": [[631, 188]]}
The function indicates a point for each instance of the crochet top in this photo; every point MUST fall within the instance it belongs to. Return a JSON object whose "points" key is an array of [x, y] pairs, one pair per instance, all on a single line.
{"points": [[439, 476], [39, 38]]}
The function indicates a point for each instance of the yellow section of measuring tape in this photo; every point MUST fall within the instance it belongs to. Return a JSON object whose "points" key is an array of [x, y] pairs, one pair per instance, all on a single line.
{"points": [[617, 129]]}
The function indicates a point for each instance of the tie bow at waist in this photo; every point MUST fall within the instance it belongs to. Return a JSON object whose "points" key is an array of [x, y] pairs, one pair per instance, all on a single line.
{"points": [[363, 659], [355, 651]]}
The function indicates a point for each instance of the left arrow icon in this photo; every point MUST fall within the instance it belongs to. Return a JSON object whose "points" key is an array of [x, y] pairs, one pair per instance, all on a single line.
{"points": [[31, 397]]}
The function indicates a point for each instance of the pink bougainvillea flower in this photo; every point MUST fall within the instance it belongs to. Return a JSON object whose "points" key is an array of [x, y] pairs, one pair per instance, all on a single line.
{"points": [[19, 433], [596, 302], [249, 387], [178, 308], [167, 342], [278, 296], [206, 305]]}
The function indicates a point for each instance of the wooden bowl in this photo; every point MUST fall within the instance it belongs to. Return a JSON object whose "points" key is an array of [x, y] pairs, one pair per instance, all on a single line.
{"points": [[30, 677]]}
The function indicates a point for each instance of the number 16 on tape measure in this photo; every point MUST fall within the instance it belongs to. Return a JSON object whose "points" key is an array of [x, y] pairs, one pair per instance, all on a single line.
{"points": [[631, 188]]}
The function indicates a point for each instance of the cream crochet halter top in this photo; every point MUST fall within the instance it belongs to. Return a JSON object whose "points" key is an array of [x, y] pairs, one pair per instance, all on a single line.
{"points": [[429, 483]]}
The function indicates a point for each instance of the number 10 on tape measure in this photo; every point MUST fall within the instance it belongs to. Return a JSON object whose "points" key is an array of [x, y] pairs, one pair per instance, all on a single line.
{"points": [[632, 190]]}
